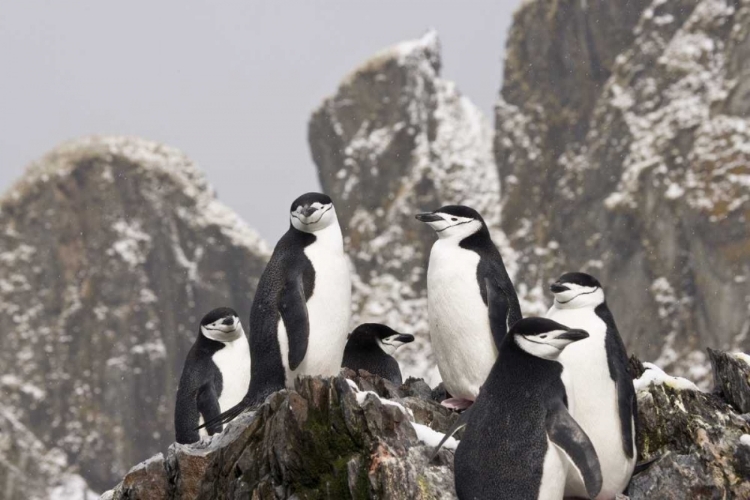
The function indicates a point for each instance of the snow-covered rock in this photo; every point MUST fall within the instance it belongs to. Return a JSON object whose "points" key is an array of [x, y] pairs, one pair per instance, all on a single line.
{"points": [[622, 144], [111, 250], [396, 139]]}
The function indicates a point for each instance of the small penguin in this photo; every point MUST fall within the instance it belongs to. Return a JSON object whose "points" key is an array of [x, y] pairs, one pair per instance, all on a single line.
{"points": [[460, 261], [299, 320], [216, 374], [371, 347], [520, 440], [604, 400]]}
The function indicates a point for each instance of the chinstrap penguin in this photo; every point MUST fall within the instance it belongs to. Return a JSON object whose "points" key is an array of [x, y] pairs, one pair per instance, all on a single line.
{"points": [[604, 401], [300, 315], [520, 441], [371, 347], [460, 261], [215, 377]]}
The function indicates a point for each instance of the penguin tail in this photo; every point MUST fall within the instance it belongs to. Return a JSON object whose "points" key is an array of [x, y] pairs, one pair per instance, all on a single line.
{"points": [[459, 424], [227, 416], [644, 465]]}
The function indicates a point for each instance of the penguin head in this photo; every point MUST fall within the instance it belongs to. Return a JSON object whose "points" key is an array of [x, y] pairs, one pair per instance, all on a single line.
{"points": [[544, 338], [222, 325], [384, 337], [454, 221], [312, 212], [574, 290]]}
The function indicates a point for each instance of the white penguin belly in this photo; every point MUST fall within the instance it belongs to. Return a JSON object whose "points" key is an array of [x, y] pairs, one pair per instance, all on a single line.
{"points": [[233, 362], [459, 323], [555, 470], [329, 313], [594, 401]]}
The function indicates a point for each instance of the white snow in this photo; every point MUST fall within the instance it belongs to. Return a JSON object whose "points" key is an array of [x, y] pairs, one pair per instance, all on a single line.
{"points": [[655, 375], [72, 487], [745, 440], [742, 357], [432, 437]]}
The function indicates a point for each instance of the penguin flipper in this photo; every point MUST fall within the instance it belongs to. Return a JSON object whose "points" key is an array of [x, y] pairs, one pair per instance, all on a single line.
{"points": [[208, 406], [293, 307], [186, 416], [568, 436], [497, 303], [627, 402], [459, 424]]}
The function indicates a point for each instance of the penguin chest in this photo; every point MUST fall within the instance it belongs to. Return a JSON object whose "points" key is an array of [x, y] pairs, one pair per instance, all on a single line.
{"points": [[593, 397], [233, 362], [554, 472], [459, 322], [329, 312]]}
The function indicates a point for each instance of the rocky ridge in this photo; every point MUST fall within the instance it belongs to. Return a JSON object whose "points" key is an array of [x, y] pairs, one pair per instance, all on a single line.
{"points": [[361, 437], [111, 250]]}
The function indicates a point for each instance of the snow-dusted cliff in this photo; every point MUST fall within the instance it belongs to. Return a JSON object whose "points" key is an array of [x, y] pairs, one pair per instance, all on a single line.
{"points": [[111, 250]]}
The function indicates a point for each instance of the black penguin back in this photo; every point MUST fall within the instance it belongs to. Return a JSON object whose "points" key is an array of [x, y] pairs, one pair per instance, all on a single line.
{"points": [[363, 352], [491, 266], [287, 261], [503, 448], [617, 361], [198, 371]]}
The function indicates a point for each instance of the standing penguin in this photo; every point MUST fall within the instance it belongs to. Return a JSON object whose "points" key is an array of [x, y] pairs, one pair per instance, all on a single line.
{"points": [[604, 401], [300, 316], [371, 347], [216, 374], [460, 261], [520, 440]]}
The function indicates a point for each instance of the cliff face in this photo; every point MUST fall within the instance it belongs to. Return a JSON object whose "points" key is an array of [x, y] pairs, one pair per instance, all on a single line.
{"points": [[621, 142], [394, 140], [111, 251]]}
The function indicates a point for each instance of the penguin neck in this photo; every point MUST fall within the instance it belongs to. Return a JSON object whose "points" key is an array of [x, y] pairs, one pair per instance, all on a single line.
{"points": [[330, 237]]}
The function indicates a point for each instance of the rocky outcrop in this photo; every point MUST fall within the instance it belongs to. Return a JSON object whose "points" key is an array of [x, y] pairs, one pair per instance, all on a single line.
{"points": [[702, 443], [111, 250], [366, 438], [621, 142], [394, 140], [327, 438]]}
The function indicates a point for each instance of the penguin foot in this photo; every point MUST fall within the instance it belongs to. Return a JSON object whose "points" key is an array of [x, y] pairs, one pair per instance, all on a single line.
{"points": [[457, 403]]}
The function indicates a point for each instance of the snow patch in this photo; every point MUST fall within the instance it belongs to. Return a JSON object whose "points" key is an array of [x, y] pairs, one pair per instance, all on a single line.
{"points": [[432, 437], [655, 375]]}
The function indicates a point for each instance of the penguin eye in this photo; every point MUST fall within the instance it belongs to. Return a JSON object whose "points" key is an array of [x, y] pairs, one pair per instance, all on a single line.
{"points": [[543, 336], [454, 219]]}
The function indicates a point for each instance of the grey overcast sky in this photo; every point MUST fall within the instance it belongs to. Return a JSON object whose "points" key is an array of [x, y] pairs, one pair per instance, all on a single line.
{"points": [[232, 83]]}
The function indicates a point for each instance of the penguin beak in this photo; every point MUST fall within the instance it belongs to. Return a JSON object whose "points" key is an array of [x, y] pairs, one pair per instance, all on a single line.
{"points": [[557, 287], [308, 211], [428, 217], [404, 338], [573, 335]]}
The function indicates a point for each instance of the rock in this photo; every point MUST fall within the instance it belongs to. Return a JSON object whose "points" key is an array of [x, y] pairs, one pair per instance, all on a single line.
{"points": [[324, 439], [732, 378], [394, 140], [698, 437], [619, 141], [30, 470], [111, 250]]}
